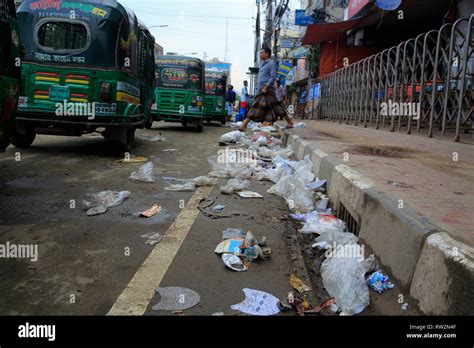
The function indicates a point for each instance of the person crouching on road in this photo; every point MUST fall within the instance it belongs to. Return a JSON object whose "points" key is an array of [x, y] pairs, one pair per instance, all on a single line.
{"points": [[266, 106]]}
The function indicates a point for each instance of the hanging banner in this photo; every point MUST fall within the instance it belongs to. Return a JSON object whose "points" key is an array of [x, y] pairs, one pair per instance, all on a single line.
{"points": [[302, 19]]}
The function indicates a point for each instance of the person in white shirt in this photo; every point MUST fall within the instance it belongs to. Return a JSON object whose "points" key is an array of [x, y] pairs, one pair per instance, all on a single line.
{"points": [[245, 93]]}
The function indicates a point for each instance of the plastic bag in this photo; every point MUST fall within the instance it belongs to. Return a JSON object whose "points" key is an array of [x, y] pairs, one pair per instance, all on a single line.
{"points": [[188, 186], [303, 170], [144, 173], [232, 137], [344, 279], [323, 223], [204, 181], [275, 174], [100, 202], [297, 196], [239, 171], [337, 238], [234, 185]]}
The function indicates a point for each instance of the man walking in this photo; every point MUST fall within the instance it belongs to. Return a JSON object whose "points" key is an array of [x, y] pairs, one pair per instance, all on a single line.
{"points": [[266, 107], [230, 100]]}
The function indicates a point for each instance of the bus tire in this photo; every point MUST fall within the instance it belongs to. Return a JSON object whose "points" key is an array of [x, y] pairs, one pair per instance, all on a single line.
{"points": [[25, 140], [184, 123], [224, 120]]}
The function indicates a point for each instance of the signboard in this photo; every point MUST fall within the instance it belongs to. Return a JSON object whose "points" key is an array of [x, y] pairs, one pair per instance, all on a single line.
{"points": [[285, 69], [355, 6], [286, 43], [219, 67], [302, 19]]}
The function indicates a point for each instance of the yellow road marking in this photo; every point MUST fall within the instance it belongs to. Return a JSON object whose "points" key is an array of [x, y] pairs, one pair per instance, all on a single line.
{"points": [[141, 289]]}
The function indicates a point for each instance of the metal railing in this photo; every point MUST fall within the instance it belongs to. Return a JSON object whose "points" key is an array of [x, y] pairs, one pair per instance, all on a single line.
{"points": [[430, 78]]}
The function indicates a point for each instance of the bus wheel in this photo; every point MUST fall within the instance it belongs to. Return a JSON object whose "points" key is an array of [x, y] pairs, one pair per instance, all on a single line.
{"points": [[24, 139], [184, 123], [224, 120]]}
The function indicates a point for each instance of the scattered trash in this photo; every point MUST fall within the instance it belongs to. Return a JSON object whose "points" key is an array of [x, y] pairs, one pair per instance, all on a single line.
{"points": [[275, 174], [133, 160], [234, 185], [204, 181], [218, 207], [188, 187], [249, 194], [344, 279], [100, 202], [322, 204], [297, 302], [169, 178], [298, 284], [232, 233], [316, 184], [298, 198], [323, 223], [155, 209], [405, 306], [152, 238], [300, 125], [230, 246], [379, 282], [234, 262], [144, 174], [218, 314], [170, 150], [400, 184], [176, 299], [218, 174], [258, 303], [304, 217], [232, 137], [338, 238], [303, 170], [158, 138]]}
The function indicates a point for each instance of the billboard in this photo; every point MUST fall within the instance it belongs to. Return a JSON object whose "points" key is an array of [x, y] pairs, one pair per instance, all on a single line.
{"points": [[220, 68]]}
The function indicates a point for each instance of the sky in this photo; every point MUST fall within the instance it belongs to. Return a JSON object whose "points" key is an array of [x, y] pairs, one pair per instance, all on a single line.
{"points": [[200, 26]]}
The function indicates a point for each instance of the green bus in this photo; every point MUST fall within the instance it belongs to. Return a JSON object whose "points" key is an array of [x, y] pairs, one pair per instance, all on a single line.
{"points": [[10, 70], [89, 66], [214, 99], [179, 92]]}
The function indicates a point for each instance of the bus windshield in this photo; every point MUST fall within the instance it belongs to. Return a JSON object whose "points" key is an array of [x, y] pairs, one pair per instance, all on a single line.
{"points": [[179, 74]]}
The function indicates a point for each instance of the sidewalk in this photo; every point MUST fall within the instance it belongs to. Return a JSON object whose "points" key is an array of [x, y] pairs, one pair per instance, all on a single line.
{"points": [[437, 186], [410, 198]]}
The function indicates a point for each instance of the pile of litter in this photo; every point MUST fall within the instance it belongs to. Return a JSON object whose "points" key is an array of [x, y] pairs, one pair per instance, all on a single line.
{"points": [[239, 249]]}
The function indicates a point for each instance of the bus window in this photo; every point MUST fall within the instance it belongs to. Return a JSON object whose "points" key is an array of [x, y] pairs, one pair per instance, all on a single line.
{"points": [[63, 36]]}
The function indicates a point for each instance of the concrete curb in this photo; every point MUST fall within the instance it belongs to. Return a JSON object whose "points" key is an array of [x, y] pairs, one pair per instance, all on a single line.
{"points": [[435, 269]]}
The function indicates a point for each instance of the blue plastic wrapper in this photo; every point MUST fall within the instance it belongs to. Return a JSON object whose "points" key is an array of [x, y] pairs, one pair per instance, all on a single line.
{"points": [[379, 282]]}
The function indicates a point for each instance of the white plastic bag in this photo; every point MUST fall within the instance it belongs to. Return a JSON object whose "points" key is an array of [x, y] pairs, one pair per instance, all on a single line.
{"points": [[100, 202], [323, 223], [344, 279], [204, 181], [297, 196], [188, 186], [234, 185], [232, 137], [337, 238], [303, 170], [275, 174], [144, 173]]}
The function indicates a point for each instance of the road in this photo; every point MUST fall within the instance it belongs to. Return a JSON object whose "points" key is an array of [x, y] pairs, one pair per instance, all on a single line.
{"points": [[101, 265]]}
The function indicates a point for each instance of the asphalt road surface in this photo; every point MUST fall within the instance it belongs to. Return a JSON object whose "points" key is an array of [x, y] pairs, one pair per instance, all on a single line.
{"points": [[102, 265]]}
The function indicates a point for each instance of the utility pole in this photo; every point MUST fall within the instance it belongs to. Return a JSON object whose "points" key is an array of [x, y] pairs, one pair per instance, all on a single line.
{"points": [[226, 39], [267, 38]]}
